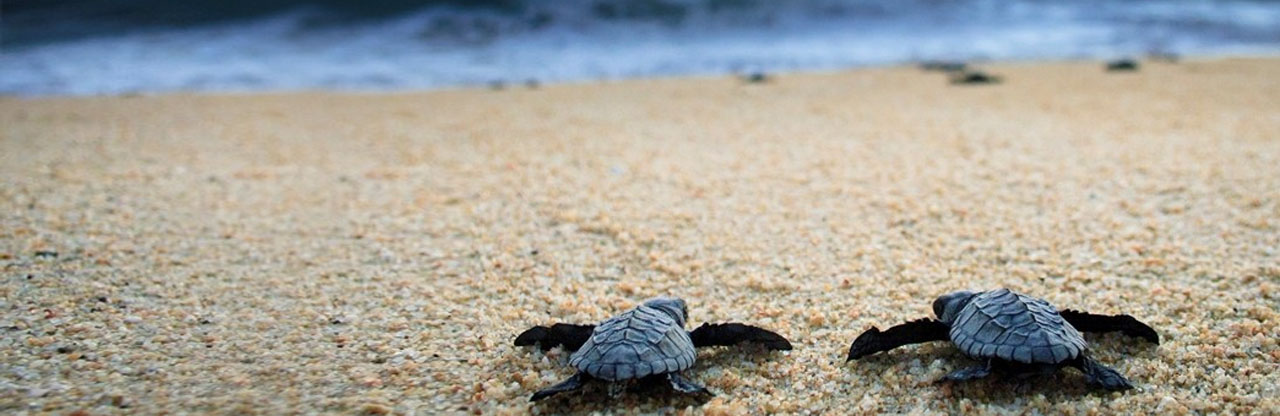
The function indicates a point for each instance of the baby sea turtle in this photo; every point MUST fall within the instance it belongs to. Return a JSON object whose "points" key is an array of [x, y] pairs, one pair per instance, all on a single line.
{"points": [[1122, 65], [943, 66], [973, 78], [757, 77], [1010, 331], [648, 342]]}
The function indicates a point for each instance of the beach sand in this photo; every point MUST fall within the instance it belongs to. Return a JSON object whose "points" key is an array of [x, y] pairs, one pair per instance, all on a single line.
{"points": [[378, 253]]}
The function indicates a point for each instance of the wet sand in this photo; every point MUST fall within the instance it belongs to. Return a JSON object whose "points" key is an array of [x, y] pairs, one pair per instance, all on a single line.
{"points": [[344, 253]]}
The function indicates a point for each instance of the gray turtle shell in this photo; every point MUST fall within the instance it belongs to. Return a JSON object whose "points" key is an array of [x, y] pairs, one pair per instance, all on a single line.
{"points": [[635, 344], [1015, 327]]}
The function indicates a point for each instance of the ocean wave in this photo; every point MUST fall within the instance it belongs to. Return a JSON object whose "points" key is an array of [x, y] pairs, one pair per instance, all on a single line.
{"points": [[400, 45]]}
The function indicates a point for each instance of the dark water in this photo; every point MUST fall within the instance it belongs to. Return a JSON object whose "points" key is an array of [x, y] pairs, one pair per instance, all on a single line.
{"points": [[95, 47]]}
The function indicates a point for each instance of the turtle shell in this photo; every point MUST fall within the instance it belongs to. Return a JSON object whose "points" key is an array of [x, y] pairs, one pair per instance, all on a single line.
{"points": [[1015, 327], [635, 344]]}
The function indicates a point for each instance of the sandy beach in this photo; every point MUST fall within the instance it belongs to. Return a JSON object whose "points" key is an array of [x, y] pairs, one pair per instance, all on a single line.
{"points": [[318, 253]]}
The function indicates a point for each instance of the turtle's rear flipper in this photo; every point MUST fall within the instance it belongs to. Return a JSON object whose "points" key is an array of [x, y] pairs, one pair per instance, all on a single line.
{"points": [[1101, 375], [570, 335], [709, 335], [971, 373], [1087, 322], [570, 384], [683, 385], [914, 332]]}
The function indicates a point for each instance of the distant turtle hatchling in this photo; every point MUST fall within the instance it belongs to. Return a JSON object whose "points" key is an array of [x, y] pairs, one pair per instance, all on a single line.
{"points": [[1011, 332], [1122, 65], [973, 78], [646, 343], [943, 66], [757, 77]]}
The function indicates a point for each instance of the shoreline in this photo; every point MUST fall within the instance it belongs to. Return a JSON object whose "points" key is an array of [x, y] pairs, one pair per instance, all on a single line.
{"points": [[520, 84]]}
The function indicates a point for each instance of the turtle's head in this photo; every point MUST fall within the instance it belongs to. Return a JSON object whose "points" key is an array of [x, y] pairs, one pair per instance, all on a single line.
{"points": [[672, 306], [949, 305]]}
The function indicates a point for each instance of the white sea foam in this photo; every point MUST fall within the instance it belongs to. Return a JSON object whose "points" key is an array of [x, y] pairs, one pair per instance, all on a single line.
{"points": [[561, 41]]}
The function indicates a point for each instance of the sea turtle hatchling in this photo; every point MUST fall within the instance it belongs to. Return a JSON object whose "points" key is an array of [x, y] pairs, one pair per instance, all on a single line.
{"points": [[1010, 331], [648, 342], [973, 77]]}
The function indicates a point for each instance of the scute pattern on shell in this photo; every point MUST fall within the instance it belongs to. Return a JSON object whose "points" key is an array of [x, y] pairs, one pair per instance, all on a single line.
{"points": [[635, 344], [1012, 326]]}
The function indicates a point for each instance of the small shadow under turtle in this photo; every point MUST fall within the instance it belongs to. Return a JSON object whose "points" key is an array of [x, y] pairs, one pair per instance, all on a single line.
{"points": [[649, 395], [654, 394], [1003, 388]]}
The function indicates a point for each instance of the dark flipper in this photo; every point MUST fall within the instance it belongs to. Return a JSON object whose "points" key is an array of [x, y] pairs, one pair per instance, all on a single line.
{"points": [[914, 332], [1087, 322], [971, 373], [569, 335], [683, 385], [570, 384], [1101, 375], [709, 335]]}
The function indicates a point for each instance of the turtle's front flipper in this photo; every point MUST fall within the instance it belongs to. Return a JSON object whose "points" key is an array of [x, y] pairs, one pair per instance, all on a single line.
{"points": [[570, 335], [1087, 322], [914, 332], [971, 373], [683, 385], [733, 333], [570, 384], [1101, 375]]}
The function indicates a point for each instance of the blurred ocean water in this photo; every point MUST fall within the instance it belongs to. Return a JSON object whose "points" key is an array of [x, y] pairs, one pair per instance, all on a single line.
{"points": [[77, 47]]}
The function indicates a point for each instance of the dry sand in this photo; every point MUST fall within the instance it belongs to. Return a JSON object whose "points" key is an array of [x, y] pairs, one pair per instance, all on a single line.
{"points": [[328, 253]]}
